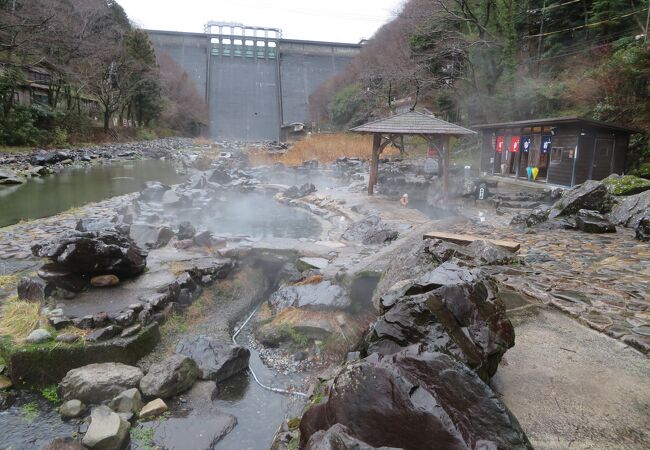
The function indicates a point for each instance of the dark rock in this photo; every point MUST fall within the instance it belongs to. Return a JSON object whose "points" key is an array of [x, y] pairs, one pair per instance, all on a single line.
{"points": [[104, 334], [370, 230], [338, 437], [452, 310], [300, 191], [591, 194], [64, 279], [390, 401], [145, 317], [220, 176], [96, 383], [170, 377], [204, 239], [60, 322], [186, 230], [85, 323], [131, 331], [34, 289], [593, 222], [125, 318], [67, 338], [150, 236], [215, 359], [642, 230], [157, 301], [631, 209], [531, 219], [215, 269], [100, 319], [106, 252], [323, 295], [153, 191], [7, 399]]}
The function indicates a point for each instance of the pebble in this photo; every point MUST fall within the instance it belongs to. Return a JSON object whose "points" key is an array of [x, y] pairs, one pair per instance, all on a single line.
{"points": [[38, 336], [153, 408]]}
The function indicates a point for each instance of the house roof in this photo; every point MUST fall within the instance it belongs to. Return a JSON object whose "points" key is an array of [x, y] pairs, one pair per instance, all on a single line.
{"points": [[412, 122], [558, 120]]}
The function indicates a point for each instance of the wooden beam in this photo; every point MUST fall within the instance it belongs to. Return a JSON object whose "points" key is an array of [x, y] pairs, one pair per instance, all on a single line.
{"points": [[466, 239], [374, 163]]}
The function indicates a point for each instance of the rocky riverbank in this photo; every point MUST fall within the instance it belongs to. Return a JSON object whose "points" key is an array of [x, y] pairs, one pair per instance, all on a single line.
{"points": [[18, 166]]}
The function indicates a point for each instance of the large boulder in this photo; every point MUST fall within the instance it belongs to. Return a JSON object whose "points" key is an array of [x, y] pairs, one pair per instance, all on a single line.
{"points": [[591, 194], [96, 383], [150, 236], [594, 222], [338, 437], [300, 191], [96, 253], [215, 359], [451, 309], [626, 184], [631, 209], [34, 289], [323, 295], [414, 400], [107, 430], [170, 377], [370, 230]]}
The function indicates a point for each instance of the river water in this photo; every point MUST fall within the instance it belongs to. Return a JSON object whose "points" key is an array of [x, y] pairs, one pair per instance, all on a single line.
{"points": [[52, 194]]}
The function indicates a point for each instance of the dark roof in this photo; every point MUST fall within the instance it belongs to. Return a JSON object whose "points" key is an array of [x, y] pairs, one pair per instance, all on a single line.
{"points": [[412, 122], [558, 120]]}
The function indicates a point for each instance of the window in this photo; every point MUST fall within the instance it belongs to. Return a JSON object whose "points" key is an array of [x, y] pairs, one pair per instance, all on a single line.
{"points": [[556, 155], [41, 98]]}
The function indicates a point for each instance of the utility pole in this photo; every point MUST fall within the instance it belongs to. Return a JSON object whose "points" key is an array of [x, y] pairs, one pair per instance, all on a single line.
{"points": [[541, 37]]}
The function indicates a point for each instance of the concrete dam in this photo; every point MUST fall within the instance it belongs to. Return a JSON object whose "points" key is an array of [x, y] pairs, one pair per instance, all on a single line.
{"points": [[253, 81]]}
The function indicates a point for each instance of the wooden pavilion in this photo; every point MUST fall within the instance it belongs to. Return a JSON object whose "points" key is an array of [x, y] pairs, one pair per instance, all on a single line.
{"points": [[388, 130]]}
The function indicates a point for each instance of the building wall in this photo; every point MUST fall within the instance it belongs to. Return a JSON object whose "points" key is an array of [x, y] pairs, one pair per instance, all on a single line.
{"points": [[595, 152], [563, 146]]}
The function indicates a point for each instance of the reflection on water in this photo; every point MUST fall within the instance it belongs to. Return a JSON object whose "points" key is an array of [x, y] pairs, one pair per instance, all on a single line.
{"points": [[46, 196], [259, 412], [31, 422], [257, 215]]}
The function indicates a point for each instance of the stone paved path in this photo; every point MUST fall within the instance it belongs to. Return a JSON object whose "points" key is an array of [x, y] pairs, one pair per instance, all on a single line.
{"points": [[602, 280]]}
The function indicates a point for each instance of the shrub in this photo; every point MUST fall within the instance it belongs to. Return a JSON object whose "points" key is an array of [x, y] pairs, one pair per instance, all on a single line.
{"points": [[145, 134]]}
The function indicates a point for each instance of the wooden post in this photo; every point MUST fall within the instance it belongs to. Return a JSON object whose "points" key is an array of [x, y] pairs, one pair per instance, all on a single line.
{"points": [[374, 163], [444, 144]]}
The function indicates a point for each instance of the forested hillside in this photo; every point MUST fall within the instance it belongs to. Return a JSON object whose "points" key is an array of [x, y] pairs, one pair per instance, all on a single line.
{"points": [[81, 64], [477, 61]]}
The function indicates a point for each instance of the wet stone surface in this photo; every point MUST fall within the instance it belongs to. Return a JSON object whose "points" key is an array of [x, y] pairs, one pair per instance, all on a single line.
{"points": [[601, 280]]}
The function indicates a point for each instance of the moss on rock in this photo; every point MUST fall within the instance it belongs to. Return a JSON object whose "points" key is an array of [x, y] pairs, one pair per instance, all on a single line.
{"points": [[626, 184], [48, 363]]}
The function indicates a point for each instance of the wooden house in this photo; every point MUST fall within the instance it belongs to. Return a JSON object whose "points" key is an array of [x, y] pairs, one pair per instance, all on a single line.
{"points": [[565, 150]]}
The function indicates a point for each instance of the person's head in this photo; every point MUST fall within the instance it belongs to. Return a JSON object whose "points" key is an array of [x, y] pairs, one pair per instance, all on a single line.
{"points": [[405, 196]]}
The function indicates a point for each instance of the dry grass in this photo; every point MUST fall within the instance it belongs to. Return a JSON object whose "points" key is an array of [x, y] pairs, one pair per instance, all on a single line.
{"points": [[322, 147], [19, 318], [8, 281]]}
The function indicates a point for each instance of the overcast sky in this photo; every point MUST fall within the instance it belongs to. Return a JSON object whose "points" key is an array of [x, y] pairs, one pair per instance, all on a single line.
{"points": [[325, 20]]}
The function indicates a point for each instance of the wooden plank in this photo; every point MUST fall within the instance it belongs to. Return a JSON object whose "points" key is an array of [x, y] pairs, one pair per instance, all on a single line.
{"points": [[466, 239]]}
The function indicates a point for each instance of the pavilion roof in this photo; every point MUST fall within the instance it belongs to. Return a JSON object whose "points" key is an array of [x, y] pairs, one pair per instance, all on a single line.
{"points": [[412, 122]]}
